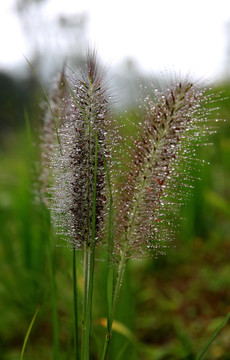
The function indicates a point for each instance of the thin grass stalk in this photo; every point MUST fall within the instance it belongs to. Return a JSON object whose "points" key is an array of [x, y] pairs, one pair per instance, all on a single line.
{"points": [[53, 301], [110, 248], [28, 332], [90, 269], [216, 333], [113, 308], [85, 297], [75, 300]]}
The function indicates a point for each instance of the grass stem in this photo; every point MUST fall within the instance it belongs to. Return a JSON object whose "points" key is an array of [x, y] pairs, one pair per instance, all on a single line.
{"points": [[89, 270], [75, 297], [216, 333], [85, 297], [54, 303], [28, 332], [113, 307]]}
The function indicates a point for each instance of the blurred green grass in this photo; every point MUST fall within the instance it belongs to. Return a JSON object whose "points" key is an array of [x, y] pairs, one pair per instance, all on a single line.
{"points": [[171, 305]]}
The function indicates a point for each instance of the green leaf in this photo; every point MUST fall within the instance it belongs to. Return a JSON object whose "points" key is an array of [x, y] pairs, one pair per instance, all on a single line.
{"points": [[28, 332], [216, 333]]}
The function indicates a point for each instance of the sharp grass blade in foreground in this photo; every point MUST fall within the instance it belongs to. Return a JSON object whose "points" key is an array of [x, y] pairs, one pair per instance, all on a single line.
{"points": [[28, 332], [218, 330]]}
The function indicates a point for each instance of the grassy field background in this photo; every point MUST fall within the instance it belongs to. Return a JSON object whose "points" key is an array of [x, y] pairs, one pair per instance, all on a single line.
{"points": [[169, 306]]}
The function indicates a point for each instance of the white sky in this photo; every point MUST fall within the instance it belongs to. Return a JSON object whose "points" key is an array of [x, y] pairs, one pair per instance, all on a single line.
{"points": [[187, 35]]}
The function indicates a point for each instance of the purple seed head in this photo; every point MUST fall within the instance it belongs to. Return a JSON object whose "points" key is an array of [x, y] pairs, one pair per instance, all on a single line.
{"points": [[150, 186], [82, 120]]}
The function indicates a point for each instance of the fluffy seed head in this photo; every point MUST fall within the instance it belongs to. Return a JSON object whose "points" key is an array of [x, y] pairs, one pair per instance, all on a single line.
{"points": [[149, 190], [82, 122], [51, 122]]}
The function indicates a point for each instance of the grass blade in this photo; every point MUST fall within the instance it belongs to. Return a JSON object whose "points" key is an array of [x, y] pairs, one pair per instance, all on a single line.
{"points": [[110, 275], [218, 330], [75, 296], [28, 332], [91, 257], [53, 299]]}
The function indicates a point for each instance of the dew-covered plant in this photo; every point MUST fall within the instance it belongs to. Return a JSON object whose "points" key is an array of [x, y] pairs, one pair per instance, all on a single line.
{"points": [[167, 130], [100, 185]]}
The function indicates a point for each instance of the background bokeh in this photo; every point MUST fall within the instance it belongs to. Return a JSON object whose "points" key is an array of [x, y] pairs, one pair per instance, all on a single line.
{"points": [[169, 306]]}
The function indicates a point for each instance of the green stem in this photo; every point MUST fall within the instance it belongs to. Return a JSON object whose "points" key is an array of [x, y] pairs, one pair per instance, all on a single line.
{"points": [[85, 297], [89, 304], [54, 302], [218, 330], [110, 247], [28, 332], [112, 310], [89, 275], [76, 342]]}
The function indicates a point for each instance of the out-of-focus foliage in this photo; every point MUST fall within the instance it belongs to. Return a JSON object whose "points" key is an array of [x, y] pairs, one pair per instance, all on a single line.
{"points": [[15, 96]]}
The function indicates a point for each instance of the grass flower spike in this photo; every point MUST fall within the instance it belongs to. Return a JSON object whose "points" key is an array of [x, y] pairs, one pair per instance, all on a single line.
{"points": [[169, 125], [82, 128], [76, 154]]}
